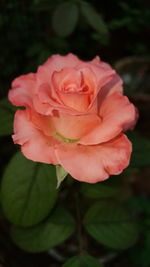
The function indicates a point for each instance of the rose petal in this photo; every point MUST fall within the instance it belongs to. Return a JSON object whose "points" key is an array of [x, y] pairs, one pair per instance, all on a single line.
{"points": [[92, 164], [114, 85], [103, 73], [45, 100], [56, 63], [117, 114], [96, 75], [74, 127], [22, 90], [34, 144]]}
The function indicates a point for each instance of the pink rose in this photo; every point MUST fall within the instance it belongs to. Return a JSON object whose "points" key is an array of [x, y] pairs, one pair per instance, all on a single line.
{"points": [[75, 116]]}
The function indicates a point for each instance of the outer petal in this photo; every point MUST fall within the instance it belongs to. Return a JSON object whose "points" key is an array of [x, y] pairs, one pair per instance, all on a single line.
{"points": [[22, 90], [92, 164], [114, 85], [117, 115], [56, 63], [46, 100], [34, 144]]}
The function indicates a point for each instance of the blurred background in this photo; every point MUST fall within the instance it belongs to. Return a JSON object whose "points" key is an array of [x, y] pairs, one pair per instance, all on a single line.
{"points": [[118, 31]]}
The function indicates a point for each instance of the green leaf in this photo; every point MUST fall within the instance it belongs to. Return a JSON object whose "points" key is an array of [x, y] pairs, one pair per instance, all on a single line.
{"points": [[50, 233], [65, 18], [81, 261], [139, 204], [94, 19], [141, 150], [28, 191], [99, 190], [7, 115], [61, 174], [111, 225], [140, 253]]}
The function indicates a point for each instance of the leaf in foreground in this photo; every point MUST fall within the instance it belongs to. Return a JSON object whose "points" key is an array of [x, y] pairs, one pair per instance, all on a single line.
{"points": [[28, 191], [81, 261], [99, 190], [110, 224], [48, 234]]}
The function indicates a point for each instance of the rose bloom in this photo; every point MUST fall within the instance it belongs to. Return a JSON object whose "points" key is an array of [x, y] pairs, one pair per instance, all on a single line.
{"points": [[75, 115]]}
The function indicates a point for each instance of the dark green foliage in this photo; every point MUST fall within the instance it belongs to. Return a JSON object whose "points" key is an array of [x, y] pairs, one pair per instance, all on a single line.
{"points": [[28, 191], [7, 112], [63, 21], [111, 225], [82, 260], [141, 150], [50, 233], [99, 190]]}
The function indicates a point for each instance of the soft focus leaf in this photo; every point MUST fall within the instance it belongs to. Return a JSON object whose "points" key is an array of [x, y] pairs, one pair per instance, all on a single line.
{"points": [[99, 190], [129, 69], [61, 174], [84, 260], [141, 150], [65, 18], [53, 231], [94, 19], [140, 254], [139, 204], [28, 191], [6, 117], [111, 225]]}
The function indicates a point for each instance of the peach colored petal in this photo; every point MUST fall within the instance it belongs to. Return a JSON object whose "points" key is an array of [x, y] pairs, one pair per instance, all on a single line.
{"points": [[75, 88], [59, 62], [45, 100], [114, 85], [65, 77], [78, 102], [41, 122], [95, 76], [117, 113], [34, 144], [42, 108], [74, 127], [92, 164], [101, 69], [95, 60], [45, 103], [22, 90], [56, 63]]}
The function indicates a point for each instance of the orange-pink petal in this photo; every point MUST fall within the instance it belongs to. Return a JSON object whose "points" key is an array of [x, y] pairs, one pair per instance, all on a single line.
{"points": [[34, 144], [74, 127], [117, 114], [92, 164], [22, 90]]}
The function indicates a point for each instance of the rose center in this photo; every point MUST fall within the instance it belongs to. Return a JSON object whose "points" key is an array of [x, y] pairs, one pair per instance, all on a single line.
{"points": [[64, 139], [74, 88]]}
